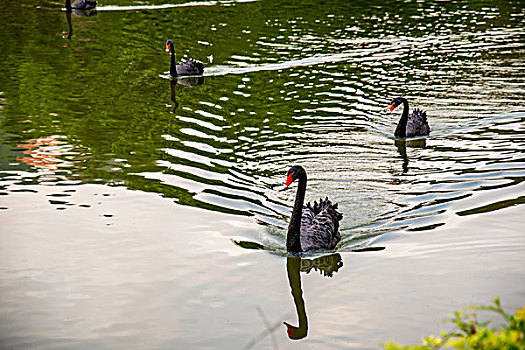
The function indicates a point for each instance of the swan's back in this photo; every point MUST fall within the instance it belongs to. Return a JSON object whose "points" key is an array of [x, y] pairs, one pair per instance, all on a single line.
{"points": [[320, 226], [84, 4], [417, 124], [191, 67]]}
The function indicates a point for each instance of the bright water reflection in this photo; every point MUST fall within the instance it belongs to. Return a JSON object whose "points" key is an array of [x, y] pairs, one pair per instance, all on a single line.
{"points": [[296, 83]]}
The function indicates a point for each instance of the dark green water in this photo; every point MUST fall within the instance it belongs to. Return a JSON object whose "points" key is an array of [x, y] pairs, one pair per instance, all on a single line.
{"points": [[121, 190]]}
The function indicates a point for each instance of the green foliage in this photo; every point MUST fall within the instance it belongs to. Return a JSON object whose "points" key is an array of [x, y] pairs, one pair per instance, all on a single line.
{"points": [[472, 334]]}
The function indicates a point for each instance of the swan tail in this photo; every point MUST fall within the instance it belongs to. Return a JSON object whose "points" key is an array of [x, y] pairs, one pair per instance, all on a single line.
{"points": [[420, 114], [325, 205], [332, 208], [200, 66], [320, 225], [417, 124]]}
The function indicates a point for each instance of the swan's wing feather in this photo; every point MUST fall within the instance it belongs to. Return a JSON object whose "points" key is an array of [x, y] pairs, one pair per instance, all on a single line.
{"points": [[320, 226], [190, 67], [84, 4], [417, 124], [307, 216]]}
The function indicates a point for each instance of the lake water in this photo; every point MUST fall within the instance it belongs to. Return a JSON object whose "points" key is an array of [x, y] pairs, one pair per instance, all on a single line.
{"points": [[123, 193]]}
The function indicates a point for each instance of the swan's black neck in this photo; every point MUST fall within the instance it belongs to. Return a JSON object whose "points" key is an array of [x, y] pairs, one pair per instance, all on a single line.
{"points": [[173, 66], [293, 239], [68, 5], [401, 130]]}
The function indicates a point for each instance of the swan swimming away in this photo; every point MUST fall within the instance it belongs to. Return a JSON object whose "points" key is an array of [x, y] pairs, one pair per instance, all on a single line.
{"points": [[311, 227], [186, 68], [414, 124]]}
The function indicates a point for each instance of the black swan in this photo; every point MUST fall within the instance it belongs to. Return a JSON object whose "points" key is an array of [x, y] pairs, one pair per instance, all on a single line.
{"points": [[414, 124], [191, 67], [81, 5], [311, 227]]}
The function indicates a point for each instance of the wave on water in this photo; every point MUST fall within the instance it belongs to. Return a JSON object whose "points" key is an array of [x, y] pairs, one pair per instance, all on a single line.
{"points": [[250, 68], [169, 6], [374, 50]]}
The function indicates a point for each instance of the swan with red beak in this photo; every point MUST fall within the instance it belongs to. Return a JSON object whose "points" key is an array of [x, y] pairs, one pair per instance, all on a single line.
{"points": [[410, 125], [312, 227], [186, 68]]}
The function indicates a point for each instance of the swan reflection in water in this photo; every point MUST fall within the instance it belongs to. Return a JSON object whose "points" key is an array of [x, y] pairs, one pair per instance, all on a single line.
{"points": [[70, 26], [402, 145], [325, 265], [78, 13], [190, 82]]}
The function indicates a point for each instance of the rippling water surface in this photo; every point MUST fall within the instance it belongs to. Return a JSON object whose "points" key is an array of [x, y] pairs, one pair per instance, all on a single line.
{"points": [[122, 191]]}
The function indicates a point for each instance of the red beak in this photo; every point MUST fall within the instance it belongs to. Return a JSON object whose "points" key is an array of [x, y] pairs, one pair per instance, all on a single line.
{"points": [[289, 329], [392, 108], [289, 180], [168, 48]]}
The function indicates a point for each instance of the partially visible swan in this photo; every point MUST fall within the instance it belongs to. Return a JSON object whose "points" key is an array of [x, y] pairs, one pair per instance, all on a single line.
{"points": [[311, 227], [414, 124], [81, 5], [186, 68]]}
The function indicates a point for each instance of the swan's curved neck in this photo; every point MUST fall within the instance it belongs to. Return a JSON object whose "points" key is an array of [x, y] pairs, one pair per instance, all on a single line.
{"points": [[173, 65], [402, 125], [293, 239]]}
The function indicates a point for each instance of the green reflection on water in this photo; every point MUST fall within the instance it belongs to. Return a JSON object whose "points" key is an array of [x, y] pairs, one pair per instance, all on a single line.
{"points": [[102, 92]]}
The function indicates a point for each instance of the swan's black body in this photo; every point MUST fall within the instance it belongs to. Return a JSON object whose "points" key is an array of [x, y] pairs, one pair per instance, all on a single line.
{"points": [[186, 68], [81, 5], [414, 124], [312, 227]]}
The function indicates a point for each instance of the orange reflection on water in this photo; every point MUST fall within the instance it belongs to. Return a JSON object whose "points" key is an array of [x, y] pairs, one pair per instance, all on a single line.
{"points": [[41, 152]]}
